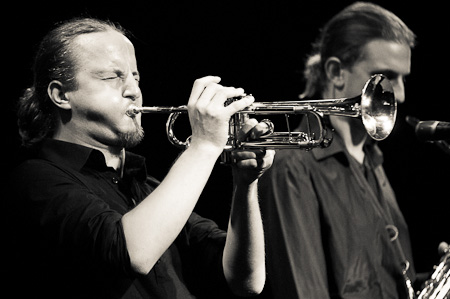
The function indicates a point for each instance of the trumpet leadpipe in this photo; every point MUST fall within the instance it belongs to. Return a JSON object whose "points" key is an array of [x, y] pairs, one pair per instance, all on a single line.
{"points": [[344, 107], [155, 109], [258, 108]]}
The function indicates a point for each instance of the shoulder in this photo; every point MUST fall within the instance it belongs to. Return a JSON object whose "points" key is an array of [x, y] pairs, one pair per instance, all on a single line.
{"points": [[42, 180], [33, 169], [39, 170], [288, 155], [291, 160]]}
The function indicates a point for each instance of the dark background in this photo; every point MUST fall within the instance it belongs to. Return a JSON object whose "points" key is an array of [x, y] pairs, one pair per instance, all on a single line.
{"points": [[260, 46]]}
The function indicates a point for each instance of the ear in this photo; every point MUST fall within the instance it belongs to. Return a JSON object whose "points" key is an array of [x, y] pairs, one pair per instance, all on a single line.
{"points": [[335, 72], [56, 94]]}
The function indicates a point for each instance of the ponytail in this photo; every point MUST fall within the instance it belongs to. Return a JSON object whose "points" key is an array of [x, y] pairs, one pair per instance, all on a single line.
{"points": [[35, 120], [313, 77]]}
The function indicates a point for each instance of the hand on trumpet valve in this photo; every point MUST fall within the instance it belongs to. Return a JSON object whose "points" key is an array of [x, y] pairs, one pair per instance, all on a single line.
{"points": [[252, 130], [252, 163], [208, 115]]}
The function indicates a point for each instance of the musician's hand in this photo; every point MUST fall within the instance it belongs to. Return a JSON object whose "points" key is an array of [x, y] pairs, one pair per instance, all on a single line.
{"points": [[249, 165], [208, 116]]}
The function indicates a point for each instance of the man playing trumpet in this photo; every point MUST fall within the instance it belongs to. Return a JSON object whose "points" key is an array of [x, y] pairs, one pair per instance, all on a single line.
{"points": [[94, 224]]}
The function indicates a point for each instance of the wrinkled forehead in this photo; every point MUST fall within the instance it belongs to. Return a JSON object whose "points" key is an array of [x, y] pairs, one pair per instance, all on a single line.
{"points": [[387, 55], [109, 47]]}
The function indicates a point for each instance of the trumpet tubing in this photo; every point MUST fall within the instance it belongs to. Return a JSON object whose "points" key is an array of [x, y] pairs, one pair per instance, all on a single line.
{"points": [[135, 110], [376, 106], [325, 107]]}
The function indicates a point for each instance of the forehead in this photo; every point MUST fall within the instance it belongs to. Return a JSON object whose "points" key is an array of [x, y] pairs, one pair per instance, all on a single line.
{"points": [[382, 55], [103, 48]]}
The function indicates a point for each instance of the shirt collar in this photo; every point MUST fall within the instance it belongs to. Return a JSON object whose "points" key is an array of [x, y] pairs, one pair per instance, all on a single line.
{"points": [[71, 155], [334, 148], [76, 157], [337, 146]]}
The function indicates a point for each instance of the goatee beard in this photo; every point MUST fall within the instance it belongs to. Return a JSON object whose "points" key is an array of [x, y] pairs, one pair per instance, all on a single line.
{"points": [[129, 140]]}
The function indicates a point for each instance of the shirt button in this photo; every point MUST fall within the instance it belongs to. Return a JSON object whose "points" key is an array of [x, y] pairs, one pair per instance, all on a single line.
{"points": [[115, 180]]}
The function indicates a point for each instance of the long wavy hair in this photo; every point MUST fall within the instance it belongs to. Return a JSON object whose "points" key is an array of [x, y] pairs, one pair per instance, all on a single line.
{"points": [[345, 35], [54, 60]]}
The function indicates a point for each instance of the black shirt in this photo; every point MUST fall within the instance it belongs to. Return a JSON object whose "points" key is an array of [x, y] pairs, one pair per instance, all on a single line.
{"points": [[327, 220], [69, 239]]}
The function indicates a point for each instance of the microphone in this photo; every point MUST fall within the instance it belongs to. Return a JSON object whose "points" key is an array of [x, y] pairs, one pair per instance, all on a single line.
{"points": [[443, 248], [432, 130]]}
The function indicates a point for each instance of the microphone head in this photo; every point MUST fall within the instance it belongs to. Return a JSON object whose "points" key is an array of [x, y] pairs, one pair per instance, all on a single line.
{"points": [[432, 130], [443, 248]]}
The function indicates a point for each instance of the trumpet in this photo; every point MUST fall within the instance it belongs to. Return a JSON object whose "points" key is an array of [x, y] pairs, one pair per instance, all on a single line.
{"points": [[376, 106]]}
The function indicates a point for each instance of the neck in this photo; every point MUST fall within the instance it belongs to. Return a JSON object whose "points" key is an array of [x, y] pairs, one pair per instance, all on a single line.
{"points": [[114, 159], [350, 129], [353, 135]]}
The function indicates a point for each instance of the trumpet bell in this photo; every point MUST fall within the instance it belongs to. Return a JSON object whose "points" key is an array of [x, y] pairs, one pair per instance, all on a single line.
{"points": [[378, 107]]}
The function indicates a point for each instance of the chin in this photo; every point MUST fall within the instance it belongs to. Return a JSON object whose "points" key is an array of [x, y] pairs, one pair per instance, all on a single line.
{"points": [[131, 139]]}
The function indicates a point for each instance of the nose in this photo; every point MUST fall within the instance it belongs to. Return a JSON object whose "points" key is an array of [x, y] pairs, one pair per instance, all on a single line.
{"points": [[131, 88], [399, 90]]}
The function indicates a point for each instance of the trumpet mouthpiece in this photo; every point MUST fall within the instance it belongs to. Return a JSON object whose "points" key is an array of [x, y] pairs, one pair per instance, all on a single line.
{"points": [[132, 111]]}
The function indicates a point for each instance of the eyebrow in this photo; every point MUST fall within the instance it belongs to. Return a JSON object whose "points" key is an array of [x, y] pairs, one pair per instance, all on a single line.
{"points": [[114, 70], [388, 73]]}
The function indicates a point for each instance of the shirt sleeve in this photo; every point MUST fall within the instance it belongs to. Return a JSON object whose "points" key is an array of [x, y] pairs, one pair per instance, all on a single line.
{"points": [[75, 224], [205, 244], [291, 213]]}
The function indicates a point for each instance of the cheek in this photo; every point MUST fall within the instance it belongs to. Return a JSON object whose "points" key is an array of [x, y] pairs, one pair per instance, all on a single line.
{"points": [[355, 85], [102, 104], [98, 107]]}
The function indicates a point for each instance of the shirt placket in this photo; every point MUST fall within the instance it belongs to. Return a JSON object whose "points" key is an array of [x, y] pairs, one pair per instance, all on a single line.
{"points": [[116, 182]]}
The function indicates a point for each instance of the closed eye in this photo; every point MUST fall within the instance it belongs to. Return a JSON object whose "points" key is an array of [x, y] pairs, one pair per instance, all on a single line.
{"points": [[111, 78], [137, 76]]}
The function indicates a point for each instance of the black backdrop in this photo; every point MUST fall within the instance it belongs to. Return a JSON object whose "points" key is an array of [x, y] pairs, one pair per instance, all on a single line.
{"points": [[259, 46]]}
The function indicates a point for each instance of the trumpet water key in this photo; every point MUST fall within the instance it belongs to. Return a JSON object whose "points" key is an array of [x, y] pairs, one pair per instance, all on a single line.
{"points": [[376, 106]]}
